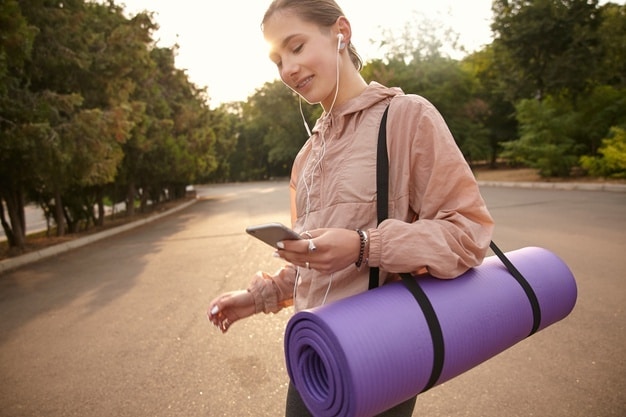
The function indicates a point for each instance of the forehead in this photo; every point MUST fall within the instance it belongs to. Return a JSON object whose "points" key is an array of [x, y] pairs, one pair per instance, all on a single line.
{"points": [[285, 25]]}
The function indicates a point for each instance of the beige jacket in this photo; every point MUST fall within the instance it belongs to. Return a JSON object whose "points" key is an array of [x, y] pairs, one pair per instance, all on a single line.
{"points": [[437, 217]]}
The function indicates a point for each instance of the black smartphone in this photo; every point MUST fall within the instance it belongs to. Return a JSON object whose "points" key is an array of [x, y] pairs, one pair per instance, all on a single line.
{"points": [[271, 233]]}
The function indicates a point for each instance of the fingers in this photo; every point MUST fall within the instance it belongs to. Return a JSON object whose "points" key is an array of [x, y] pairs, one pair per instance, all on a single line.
{"points": [[229, 308], [308, 234], [218, 318], [299, 252], [328, 251]]}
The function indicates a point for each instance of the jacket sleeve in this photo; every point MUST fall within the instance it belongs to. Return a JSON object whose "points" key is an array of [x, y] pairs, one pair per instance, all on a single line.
{"points": [[438, 218], [272, 293]]}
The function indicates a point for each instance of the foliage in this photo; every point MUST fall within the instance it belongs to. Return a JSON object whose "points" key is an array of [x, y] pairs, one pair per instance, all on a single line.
{"points": [[543, 49], [546, 46], [417, 62], [612, 159], [611, 70], [546, 138], [93, 111], [569, 54], [554, 134], [90, 107], [603, 108], [498, 118], [272, 133]]}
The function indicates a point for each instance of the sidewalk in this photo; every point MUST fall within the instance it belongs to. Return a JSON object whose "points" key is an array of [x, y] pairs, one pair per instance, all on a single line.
{"points": [[16, 262]]}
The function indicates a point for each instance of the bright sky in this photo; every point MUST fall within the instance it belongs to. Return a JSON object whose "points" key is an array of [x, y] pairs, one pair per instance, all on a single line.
{"points": [[222, 47]]}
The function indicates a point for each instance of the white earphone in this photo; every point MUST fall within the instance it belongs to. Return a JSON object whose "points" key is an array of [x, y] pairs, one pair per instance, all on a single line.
{"points": [[340, 44]]}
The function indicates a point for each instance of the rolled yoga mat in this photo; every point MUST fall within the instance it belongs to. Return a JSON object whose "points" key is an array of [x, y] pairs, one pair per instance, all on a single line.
{"points": [[364, 354]]}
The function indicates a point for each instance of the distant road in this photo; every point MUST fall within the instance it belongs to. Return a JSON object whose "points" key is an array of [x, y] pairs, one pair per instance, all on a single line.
{"points": [[118, 327], [35, 221]]}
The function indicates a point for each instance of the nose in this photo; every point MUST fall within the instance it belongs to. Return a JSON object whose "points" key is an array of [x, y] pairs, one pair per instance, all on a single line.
{"points": [[290, 70]]}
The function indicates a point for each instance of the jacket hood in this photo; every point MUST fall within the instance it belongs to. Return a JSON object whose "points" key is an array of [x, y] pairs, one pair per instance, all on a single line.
{"points": [[374, 93]]}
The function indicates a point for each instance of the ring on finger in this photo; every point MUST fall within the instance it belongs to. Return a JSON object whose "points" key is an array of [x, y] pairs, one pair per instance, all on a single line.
{"points": [[308, 234], [312, 246], [307, 265]]}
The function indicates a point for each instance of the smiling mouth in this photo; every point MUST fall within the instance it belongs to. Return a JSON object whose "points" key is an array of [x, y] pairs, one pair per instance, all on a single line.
{"points": [[304, 83]]}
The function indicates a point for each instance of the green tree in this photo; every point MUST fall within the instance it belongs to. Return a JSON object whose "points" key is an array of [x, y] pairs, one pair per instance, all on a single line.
{"points": [[547, 140], [499, 115], [451, 87], [227, 124], [90, 106], [272, 133], [67, 77], [612, 32], [173, 143], [546, 46], [16, 40], [418, 60]]}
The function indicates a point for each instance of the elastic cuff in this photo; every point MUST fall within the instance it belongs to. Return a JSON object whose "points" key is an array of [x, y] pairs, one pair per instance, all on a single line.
{"points": [[264, 294], [375, 247]]}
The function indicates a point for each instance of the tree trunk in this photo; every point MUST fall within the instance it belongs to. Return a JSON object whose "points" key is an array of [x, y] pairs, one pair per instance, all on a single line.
{"points": [[8, 232], [59, 216], [16, 235], [100, 201], [130, 200]]}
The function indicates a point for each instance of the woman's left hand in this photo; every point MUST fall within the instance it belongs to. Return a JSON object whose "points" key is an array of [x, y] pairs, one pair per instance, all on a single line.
{"points": [[325, 250]]}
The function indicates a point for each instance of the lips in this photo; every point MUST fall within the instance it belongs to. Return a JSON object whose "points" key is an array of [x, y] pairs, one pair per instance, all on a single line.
{"points": [[303, 83]]}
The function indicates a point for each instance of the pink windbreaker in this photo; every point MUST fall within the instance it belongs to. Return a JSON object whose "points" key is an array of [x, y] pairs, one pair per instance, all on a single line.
{"points": [[438, 221]]}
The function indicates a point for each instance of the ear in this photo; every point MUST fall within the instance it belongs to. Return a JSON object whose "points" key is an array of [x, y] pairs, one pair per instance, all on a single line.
{"points": [[342, 26]]}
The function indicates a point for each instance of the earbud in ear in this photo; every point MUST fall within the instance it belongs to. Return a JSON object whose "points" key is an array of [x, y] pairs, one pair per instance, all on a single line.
{"points": [[340, 43]]}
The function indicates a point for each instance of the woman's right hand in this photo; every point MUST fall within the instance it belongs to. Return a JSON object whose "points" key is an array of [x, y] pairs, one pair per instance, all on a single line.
{"points": [[229, 307]]}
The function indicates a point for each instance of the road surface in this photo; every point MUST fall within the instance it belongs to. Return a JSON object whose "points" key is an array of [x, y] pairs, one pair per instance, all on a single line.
{"points": [[118, 327]]}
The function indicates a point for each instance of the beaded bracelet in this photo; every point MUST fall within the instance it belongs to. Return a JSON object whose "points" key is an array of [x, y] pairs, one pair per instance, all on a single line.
{"points": [[363, 237]]}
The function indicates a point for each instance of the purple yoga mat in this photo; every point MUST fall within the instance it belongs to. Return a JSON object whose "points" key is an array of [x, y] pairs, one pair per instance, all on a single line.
{"points": [[363, 355]]}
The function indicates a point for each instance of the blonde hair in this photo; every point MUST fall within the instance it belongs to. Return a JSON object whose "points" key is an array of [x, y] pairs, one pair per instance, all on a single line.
{"points": [[323, 13]]}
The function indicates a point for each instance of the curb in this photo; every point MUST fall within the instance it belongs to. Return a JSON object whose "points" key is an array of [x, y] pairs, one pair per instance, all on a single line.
{"points": [[567, 186], [16, 262]]}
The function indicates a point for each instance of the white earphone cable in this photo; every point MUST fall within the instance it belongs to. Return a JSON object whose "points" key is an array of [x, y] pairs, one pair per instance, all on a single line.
{"points": [[306, 125], [309, 186]]}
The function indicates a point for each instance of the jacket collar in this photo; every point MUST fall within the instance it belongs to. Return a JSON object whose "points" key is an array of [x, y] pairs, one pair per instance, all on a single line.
{"points": [[374, 93]]}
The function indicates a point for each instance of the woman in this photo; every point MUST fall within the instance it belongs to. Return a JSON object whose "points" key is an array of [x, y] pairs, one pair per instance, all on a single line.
{"points": [[438, 222]]}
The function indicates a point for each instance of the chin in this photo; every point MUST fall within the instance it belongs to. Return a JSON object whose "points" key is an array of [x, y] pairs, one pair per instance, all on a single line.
{"points": [[310, 101], [311, 96]]}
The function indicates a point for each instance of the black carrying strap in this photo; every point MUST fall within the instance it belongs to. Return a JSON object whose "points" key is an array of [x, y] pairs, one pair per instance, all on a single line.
{"points": [[382, 184], [382, 204], [530, 293]]}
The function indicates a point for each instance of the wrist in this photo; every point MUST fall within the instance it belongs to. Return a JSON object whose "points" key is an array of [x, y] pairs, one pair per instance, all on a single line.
{"points": [[363, 248]]}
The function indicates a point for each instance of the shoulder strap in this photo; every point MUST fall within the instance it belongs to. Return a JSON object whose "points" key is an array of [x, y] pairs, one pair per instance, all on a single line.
{"points": [[382, 205], [382, 184]]}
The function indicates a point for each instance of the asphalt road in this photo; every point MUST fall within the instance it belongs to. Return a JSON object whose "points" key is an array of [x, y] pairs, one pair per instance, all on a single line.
{"points": [[118, 327]]}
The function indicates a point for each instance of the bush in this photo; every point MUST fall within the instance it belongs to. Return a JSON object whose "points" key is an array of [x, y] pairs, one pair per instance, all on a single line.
{"points": [[611, 163]]}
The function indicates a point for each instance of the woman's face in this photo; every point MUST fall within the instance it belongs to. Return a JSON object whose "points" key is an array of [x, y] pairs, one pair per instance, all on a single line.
{"points": [[306, 57]]}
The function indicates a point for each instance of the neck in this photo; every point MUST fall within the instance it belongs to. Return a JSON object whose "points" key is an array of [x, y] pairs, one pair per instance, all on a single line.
{"points": [[351, 84]]}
